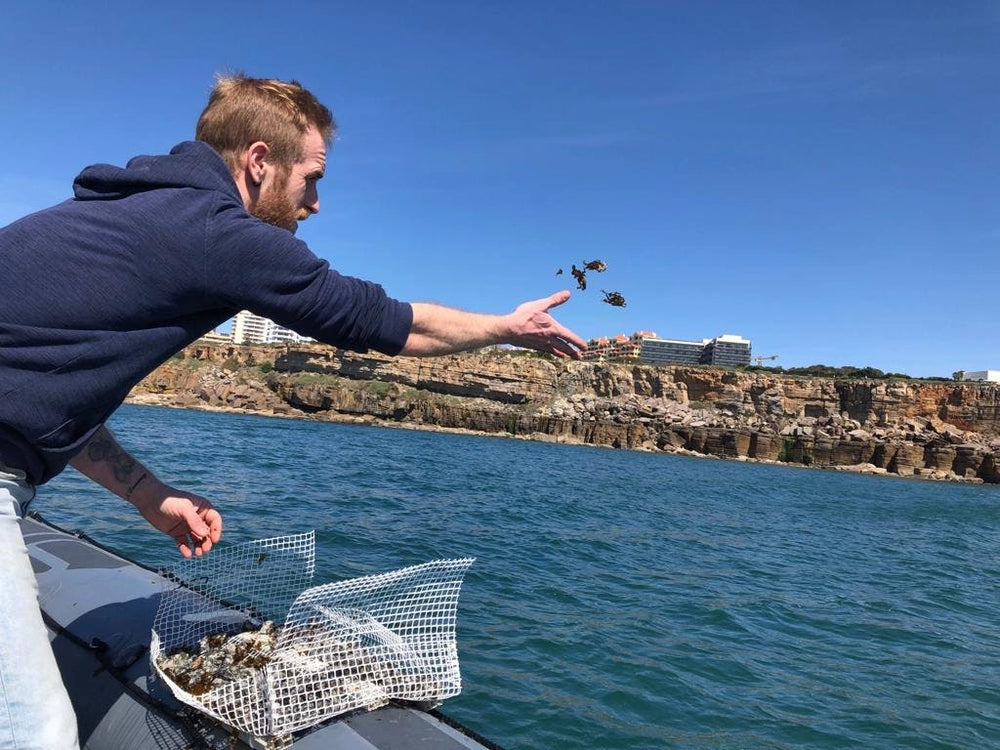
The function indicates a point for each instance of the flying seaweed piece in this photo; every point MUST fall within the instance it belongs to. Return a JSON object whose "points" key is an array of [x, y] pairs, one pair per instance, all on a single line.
{"points": [[614, 299], [580, 274]]}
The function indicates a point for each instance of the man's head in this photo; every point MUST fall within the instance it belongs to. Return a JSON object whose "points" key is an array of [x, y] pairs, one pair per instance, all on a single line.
{"points": [[273, 136]]}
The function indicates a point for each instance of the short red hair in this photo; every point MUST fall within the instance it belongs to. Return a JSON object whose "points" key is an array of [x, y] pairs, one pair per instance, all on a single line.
{"points": [[243, 110]]}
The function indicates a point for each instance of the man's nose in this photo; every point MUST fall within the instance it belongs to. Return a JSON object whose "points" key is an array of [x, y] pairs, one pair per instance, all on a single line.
{"points": [[312, 200]]}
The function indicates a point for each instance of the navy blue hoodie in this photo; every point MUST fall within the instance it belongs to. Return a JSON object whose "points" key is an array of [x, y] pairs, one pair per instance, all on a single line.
{"points": [[97, 291]]}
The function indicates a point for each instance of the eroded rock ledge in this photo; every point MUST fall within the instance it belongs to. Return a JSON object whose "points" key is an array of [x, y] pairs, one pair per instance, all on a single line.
{"points": [[935, 430]]}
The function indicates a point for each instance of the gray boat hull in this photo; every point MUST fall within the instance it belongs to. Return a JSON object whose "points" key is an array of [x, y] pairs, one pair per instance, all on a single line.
{"points": [[99, 608]]}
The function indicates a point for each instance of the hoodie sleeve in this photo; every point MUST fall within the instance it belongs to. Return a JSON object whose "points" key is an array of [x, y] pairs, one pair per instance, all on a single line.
{"points": [[266, 270]]}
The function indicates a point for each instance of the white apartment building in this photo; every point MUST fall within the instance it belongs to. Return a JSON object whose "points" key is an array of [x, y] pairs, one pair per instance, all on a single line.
{"points": [[992, 376], [254, 329]]}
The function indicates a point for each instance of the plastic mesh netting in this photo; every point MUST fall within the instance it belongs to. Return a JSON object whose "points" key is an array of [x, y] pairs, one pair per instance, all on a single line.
{"points": [[241, 640]]}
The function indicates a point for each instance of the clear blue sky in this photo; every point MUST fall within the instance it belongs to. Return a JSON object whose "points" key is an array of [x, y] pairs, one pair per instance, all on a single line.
{"points": [[821, 178]]}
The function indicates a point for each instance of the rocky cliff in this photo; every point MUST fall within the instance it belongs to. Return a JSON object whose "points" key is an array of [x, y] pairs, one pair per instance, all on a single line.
{"points": [[937, 430]]}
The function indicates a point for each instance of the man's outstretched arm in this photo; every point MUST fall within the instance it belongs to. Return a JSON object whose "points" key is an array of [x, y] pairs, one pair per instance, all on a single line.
{"points": [[443, 330], [189, 519]]}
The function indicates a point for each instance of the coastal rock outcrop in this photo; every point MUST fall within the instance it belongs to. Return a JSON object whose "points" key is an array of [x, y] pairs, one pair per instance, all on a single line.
{"points": [[932, 429]]}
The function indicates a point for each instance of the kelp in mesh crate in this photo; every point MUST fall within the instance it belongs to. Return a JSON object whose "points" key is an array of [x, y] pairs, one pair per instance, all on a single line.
{"points": [[341, 646]]}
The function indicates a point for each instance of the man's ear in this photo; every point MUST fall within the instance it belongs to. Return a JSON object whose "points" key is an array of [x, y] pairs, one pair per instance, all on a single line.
{"points": [[256, 163]]}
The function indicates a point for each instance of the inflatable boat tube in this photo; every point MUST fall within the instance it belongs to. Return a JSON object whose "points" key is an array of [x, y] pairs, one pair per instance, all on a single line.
{"points": [[99, 608]]}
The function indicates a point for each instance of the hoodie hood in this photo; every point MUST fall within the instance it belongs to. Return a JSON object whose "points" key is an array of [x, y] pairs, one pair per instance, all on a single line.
{"points": [[189, 164]]}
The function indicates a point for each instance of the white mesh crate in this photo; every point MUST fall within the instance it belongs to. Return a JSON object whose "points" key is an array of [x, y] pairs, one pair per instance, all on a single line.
{"points": [[341, 646]]}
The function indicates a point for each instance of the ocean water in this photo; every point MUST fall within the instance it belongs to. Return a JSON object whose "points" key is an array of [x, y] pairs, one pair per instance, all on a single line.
{"points": [[624, 600]]}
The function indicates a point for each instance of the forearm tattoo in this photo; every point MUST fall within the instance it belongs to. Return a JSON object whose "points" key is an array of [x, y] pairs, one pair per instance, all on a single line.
{"points": [[102, 447]]}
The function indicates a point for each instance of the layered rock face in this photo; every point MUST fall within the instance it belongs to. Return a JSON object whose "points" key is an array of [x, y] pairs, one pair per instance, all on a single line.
{"points": [[911, 428]]}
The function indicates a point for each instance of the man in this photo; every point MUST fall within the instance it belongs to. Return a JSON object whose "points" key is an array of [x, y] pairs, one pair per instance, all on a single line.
{"points": [[99, 290]]}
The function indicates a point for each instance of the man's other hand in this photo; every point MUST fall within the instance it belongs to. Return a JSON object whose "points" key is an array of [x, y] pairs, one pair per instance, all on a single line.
{"points": [[189, 519]]}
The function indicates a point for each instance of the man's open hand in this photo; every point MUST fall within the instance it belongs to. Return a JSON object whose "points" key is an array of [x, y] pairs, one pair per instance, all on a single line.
{"points": [[533, 327]]}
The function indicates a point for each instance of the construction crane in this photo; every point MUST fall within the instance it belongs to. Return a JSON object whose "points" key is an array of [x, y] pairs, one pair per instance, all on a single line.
{"points": [[760, 360]]}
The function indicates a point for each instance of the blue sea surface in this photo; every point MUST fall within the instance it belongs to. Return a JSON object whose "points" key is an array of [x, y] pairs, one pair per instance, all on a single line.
{"points": [[622, 599]]}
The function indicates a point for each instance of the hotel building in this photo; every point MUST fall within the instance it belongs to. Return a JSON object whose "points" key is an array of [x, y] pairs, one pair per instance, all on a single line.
{"points": [[726, 350]]}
